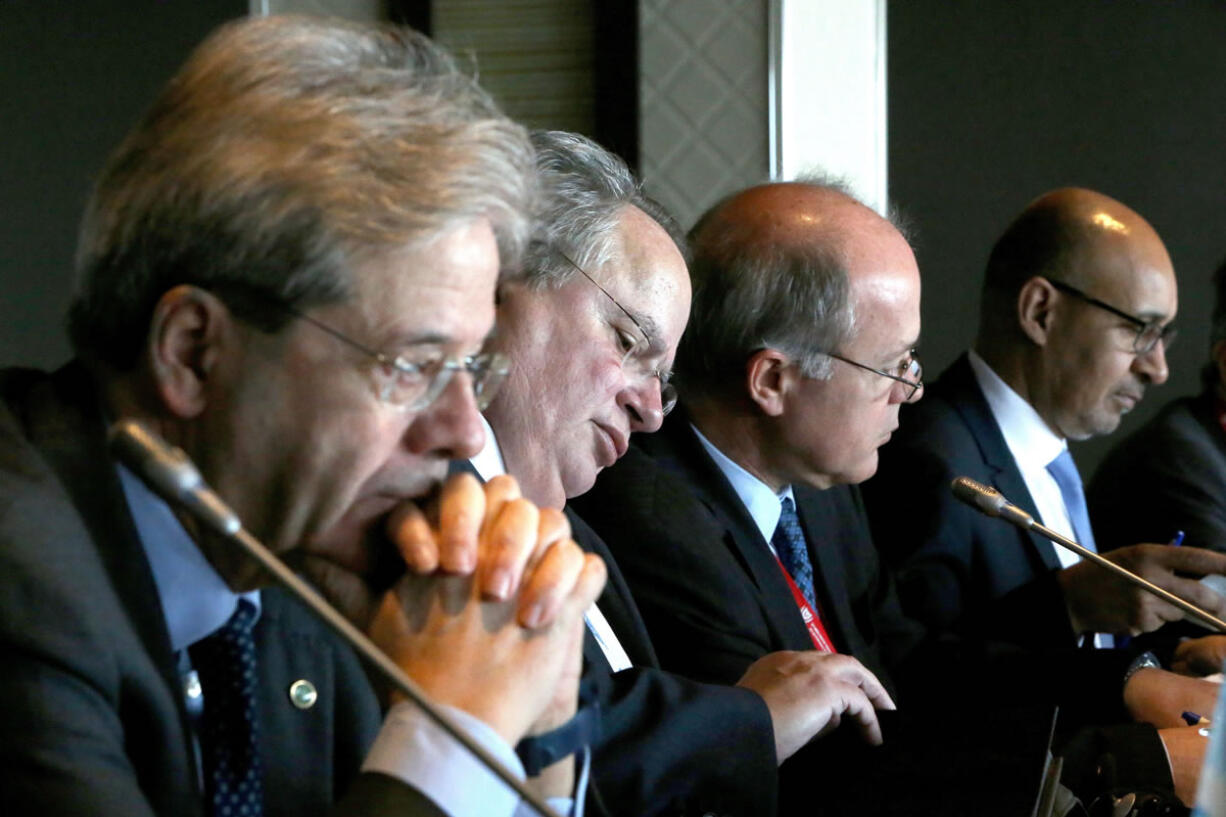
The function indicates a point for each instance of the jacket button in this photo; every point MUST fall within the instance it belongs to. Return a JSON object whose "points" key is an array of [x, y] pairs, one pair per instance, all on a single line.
{"points": [[302, 694]]}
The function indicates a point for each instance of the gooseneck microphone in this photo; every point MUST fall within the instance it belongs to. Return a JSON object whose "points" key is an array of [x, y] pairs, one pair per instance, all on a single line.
{"points": [[990, 501], [170, 473]]}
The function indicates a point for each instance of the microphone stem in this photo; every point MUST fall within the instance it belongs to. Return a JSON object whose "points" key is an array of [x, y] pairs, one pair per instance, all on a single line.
{"points": [[392, 671], [1191, 609]]}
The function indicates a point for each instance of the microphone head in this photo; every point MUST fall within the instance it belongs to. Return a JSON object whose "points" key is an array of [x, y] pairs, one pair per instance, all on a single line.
{"points": [[978, 496], [165, 468]]}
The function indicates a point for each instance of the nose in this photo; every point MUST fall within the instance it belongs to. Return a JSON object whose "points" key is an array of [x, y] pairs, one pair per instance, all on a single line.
{"points": [[642, 403], [451, 426], [1152, 365]]}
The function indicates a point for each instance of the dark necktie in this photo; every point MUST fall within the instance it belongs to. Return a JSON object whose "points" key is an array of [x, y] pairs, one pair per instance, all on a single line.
{"points": [[789, 545], [1064, 471], [229, 727]]}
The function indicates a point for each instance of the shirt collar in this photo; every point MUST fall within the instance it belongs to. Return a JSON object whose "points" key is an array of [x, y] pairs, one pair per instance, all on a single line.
{"points": [[1029, 439], [195, 599], [488, 461], [762, 503]]}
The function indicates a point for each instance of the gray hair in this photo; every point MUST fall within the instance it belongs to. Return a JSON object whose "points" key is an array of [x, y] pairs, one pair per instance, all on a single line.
{"points": [[751, 293], [584, 189], [285, 154]]}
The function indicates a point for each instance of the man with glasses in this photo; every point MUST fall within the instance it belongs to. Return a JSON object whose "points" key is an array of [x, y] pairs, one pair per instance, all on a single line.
{"points": [[287, 269], [591, 327], [1078, 302]]}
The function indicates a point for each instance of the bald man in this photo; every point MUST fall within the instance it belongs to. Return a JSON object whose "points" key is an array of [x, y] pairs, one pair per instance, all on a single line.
{"points": [[1077, 304]]}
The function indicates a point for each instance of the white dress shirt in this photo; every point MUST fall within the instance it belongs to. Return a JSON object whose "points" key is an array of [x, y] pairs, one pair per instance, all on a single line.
{"points": [[763, 504]]}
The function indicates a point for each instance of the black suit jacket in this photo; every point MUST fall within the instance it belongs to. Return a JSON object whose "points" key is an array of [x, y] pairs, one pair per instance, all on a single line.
{"points": [[92, 719], [1169, 475], [957, 567], [714, 600], [711, 592], [667, 744]]}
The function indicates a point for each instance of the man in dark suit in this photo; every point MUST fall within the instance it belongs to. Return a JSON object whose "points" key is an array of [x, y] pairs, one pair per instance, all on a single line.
{"points": [[1078, 300], [288, 270], [592, 325], [739, 526]]}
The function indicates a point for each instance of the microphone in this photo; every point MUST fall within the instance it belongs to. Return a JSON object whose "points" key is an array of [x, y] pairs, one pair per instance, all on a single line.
{"points": [[991, 502], [171, 473]]}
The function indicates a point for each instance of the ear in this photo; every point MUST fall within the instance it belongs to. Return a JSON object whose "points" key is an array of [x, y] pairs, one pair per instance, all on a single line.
{"points": [[768, 376], [184, 343], [1035, 304]]}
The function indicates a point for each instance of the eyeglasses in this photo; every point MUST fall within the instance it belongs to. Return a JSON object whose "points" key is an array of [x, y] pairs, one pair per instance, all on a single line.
{"points": [[633, 347], [413, 386], [910, 373], [1148, 332]]}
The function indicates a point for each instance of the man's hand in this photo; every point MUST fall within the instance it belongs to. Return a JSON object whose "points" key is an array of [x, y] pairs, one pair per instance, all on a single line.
{"points": [[1200, 656], [1100, 602], [808, 693], [1158, 697], [500, 639], [1185, 751]]}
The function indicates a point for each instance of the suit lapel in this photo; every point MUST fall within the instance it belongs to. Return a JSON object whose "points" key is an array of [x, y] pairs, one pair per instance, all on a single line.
{"points": [[963, 391], [688, 457]]}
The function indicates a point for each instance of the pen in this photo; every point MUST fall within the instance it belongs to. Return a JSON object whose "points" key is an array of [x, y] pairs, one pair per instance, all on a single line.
{"points": [[1193, 719], [1178, 540]]}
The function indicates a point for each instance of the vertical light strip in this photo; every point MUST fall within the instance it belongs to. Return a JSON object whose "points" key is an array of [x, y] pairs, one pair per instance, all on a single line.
{"points": [[831, 86], [259, 8], [774, 96]]}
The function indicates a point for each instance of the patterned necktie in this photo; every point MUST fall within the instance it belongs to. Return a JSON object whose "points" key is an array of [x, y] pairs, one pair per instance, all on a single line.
{"points": [[1064, 471], [229, 733], [789, 544]]}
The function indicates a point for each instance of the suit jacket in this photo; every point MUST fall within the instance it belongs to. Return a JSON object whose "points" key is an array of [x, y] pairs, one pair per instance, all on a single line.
{"points": [[713, 595], [664, 742], [956, 567], [92, 719], [1169, 475], [715, 600]]}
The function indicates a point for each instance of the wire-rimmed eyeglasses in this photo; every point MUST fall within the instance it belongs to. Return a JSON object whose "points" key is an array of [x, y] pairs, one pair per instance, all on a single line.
{"points": [[1148, 332], [909, 373], [413, 386], [633, 347]]}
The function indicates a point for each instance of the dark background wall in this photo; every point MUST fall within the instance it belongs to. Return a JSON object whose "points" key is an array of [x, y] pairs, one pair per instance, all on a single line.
{"points": [[74, 76], [993, 103]]}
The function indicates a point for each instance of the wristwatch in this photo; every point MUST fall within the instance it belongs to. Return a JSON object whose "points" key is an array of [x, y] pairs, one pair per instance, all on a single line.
{"points": [[1142, 661]]}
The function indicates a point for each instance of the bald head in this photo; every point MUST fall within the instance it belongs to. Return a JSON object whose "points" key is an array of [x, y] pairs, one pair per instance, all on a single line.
{"points": [[1076, 293], [1073, 235], [774, 265]]}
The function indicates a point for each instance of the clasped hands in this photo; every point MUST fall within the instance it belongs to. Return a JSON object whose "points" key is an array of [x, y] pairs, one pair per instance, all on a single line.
{"points": [[488, 617]]}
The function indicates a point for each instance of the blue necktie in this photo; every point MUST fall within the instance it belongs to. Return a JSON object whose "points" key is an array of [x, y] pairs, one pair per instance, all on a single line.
{"points": [[1064, 471], [229, 727], [789, 544]]}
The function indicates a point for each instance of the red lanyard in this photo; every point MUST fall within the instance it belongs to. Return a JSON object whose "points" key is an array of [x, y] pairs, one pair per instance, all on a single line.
{"points": [[813, 623]]}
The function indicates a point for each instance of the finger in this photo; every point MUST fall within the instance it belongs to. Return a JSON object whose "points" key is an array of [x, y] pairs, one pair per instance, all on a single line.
{"points": [[550, 584], [461, 512], [507, 544], [1196, 593], [498, 491], [1196, 561], [410, 531], [856, 673], [861, 710]]}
